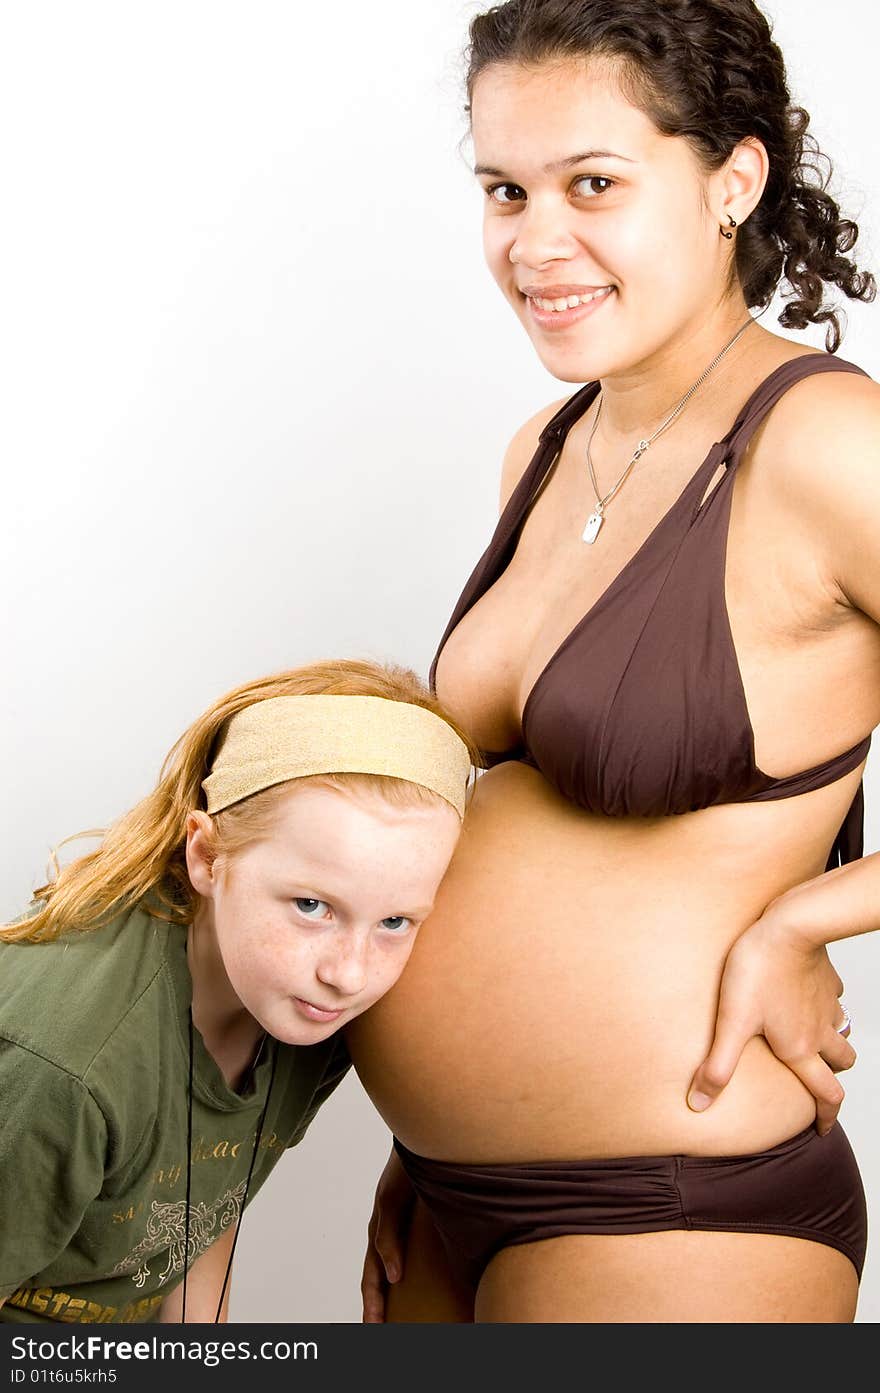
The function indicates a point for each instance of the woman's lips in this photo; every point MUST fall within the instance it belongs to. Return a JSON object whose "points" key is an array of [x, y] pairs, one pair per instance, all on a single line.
{"points": [[555, 320], [315, 1013]]}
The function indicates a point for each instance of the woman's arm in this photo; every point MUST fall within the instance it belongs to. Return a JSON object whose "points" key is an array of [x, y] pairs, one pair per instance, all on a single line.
{"points": [[203, 1285], [386, 1238], [778, 980]]}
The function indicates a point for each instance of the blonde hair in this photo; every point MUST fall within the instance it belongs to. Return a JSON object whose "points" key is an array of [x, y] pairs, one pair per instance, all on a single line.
{"points": [[143, 855]]}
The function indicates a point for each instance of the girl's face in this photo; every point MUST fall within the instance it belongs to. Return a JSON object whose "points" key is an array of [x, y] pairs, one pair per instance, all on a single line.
{"points": [[315, 921], [587, 203]]}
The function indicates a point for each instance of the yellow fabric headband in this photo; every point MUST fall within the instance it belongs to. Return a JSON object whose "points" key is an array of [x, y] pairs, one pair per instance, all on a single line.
{"points": [[291, 737]]}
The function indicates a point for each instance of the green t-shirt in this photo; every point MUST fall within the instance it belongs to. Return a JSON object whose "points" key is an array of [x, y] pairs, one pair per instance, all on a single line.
{"points": [[94, 1064]]}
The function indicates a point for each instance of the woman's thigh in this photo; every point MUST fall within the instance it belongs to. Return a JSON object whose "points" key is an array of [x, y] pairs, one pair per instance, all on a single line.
{"points": [[428, 1290], [678, 1276]]}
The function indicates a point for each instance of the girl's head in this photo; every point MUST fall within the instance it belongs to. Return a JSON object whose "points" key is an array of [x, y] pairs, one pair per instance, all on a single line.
{"points": [[616, 140], [334, 819], [303, 825]]}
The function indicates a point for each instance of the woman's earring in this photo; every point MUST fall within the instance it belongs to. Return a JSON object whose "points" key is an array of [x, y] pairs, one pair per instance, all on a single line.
{"points": [[724, 232]]}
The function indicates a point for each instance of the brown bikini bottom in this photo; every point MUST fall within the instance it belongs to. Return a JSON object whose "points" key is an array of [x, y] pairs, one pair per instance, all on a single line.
{"points": [[806, 1187]]}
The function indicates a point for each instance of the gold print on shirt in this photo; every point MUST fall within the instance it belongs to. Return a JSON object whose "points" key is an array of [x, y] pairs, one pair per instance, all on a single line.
{"points": [[166, 1221], [219, 1150], [55, 1304], [166, 1228], [125, 1216]]}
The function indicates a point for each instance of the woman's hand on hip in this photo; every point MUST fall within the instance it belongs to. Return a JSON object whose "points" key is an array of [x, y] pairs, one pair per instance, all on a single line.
{"points": [[778, 984], [386, 1238]]}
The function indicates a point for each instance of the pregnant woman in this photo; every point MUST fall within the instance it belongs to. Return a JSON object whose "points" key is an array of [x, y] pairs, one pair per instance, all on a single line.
{"points": [[611, 1068]]}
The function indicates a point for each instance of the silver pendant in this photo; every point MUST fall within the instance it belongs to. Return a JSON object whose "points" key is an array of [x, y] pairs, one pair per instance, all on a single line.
{"points": [[591, 530]]}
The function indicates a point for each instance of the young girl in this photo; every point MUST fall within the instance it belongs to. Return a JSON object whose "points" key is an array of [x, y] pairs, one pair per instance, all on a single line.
{"points": [[170, 1003]]}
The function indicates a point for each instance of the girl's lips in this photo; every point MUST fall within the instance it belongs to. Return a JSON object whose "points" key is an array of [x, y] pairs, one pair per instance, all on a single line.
{"points": [[555, 320], [315, 1013]]}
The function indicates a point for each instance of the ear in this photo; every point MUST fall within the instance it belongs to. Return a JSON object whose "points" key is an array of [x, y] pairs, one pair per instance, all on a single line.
{"points": [[201, 854], [740, 182]]}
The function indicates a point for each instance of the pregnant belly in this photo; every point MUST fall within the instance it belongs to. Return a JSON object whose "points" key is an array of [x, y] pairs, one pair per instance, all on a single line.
{"points": [[564, 989]]}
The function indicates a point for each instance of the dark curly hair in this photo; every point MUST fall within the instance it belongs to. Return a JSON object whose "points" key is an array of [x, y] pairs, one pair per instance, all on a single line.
{"points": [[707, 70]]}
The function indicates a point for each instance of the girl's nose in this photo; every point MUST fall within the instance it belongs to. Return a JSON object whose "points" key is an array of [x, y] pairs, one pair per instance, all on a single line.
{"points": [[343, 965]]}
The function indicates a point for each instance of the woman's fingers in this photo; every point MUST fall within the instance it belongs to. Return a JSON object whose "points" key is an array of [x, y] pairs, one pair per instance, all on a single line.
{"points": [[716, 1070], [388, 1244], [816, 1076], [395, 1198], [373, 1290], [386, 1238], [837, 1052], [373, 1278]]}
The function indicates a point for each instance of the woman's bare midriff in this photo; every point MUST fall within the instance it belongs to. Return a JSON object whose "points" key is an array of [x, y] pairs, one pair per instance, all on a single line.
{"points": [[565, 988]]}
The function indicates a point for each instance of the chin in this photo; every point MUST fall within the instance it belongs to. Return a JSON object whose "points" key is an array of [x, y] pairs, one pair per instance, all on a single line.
{"points": [[574, 365], [293, 1031], [588, 362], [577, 355], [301, 1039]]}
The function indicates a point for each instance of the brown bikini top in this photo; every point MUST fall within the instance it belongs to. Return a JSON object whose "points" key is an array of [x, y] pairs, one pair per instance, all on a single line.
{"points": [[641, 710]]}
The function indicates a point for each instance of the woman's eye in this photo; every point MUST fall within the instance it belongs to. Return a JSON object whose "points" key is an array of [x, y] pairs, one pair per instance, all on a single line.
{"points": [[311, 909], [505, 194], [591, 180], [396, 922]]}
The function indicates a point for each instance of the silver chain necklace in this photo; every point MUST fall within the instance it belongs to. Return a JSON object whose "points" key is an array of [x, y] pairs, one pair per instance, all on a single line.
{"points": [[597, 516]]}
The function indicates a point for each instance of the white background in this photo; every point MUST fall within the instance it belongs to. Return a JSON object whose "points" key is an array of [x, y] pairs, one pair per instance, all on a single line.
{"points": [[256, 386]]}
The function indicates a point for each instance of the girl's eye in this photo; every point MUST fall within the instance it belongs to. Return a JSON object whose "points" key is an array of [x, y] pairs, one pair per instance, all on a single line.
{"points": [[591, 180], [396, 922], [311, 909], [505, 194]]}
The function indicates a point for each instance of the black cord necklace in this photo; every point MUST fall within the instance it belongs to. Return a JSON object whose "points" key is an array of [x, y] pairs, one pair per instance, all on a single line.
{"points": [[189, 1112]]}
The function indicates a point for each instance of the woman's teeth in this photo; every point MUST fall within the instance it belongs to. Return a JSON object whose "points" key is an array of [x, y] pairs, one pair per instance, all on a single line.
{"points": [[568, 302]]}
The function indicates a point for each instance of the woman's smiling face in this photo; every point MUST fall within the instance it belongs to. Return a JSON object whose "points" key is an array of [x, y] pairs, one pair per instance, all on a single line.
{"points": [[587, 202]]}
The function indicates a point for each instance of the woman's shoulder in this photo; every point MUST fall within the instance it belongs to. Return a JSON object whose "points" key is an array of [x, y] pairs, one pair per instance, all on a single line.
{"points": [[818, 463], [64, 1000], [831, 398], [824, 434], [523, 445]]}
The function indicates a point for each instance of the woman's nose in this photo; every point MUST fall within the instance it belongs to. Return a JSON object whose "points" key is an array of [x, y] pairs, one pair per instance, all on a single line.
{"points": [[541, 237]]}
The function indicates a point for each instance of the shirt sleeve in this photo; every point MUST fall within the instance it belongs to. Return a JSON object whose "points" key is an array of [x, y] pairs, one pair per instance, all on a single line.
{"points": [[53, 1142]]}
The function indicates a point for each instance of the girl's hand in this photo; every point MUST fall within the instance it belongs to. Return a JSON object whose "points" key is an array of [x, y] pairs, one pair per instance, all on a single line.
{"points": [[386, 1235], [778, 984]]}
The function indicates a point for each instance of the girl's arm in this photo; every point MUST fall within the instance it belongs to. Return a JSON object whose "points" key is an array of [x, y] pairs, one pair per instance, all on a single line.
{"points": [[203, 1283], [53, 1146]]}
